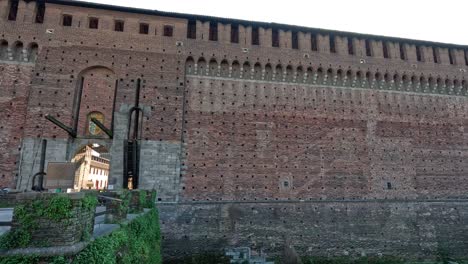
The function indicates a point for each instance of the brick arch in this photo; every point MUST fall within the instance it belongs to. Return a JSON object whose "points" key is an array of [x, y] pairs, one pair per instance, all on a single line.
{"points": [[268, 72], [201, 66], [279, 73], [235, 69], [224, 68], [464, 87], [17, 50], [213, 67], [289, 74], [310, 75], [299, 74], [190, 65], [4, 50], [95, 93], [32, 51], [257, 74], [246, 70]]}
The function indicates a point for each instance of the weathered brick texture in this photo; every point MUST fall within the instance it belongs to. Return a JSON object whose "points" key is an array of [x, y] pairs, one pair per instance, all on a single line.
{"points": [[239, 122]]}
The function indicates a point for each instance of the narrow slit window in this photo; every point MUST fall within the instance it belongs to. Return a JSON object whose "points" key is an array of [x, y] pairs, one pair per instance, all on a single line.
{"points": [[119, 26], [93, 22], [294, 40], [389, 185], [213, 31], [332, 44], [368, 47], [435, 54], [234, 33], [314, 42], [144, 28], [67, 20], [13, 12], [466, 57], [40, 11], [192, 29], [350, 46], [419, 56], [255, 36], [385, 49], [275, 38], [451, 56], [168, 31], [402, 51]]}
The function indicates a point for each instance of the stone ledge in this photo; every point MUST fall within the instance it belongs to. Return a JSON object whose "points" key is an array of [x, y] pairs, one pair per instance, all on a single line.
{"points": [[201, 202], [47, 251]]}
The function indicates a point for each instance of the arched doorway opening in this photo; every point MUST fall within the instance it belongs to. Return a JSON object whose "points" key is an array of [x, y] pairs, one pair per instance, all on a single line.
{"points": [[92, 168]]}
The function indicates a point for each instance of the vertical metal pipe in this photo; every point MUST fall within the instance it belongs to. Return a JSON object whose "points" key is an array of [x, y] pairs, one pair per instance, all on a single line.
{"points": [[42, 164], [137, 114], [78, 105], [113, 105]]}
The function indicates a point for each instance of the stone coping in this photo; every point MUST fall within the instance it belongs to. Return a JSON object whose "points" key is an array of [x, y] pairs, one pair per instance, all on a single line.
{"points": [[46, 251], [39, 195]]}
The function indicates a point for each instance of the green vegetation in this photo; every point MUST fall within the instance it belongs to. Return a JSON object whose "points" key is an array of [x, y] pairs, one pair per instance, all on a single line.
{"points": [[136, 242], [58, 209]]}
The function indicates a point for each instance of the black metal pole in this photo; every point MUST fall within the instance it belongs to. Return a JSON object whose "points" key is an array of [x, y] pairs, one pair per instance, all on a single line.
{"points": [[78, 105], [42, 165], [137, 114], [41, 172]]}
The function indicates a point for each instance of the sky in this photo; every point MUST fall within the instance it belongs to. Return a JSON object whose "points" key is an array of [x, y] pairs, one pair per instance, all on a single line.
{"points": [[439, 21]]}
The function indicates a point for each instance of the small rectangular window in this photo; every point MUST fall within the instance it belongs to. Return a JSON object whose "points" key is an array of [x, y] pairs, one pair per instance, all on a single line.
{"points": [[255, 36], [386, 50], [144, 28], [67, 20], [435, 54], [402, 51], [294, 40], [168, 31], [13, 10], [119, 25], [419, 54], [275, 42], [40, 11], [192, 29], [332, 44], [93, 22], [451, 56], [368, 47], [389, 185], [234, 33], [313, 42], [350, 46], [213, 33]]}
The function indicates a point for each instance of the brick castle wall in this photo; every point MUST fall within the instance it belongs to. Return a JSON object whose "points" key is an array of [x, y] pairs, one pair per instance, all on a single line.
{"points": [[243, 123]]}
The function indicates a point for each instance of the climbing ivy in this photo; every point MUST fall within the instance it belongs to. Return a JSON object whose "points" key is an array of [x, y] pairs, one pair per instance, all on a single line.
{"points": [[58, 208], [89, 202], [125, 196], [136, 242]]}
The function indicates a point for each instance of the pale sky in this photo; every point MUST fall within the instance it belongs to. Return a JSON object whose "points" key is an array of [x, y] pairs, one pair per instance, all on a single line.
{"points": [[441, 21]]}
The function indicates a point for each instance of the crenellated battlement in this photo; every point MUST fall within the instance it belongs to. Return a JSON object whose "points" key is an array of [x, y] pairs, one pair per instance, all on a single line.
{"points": [[318, 75], [173, 29]]}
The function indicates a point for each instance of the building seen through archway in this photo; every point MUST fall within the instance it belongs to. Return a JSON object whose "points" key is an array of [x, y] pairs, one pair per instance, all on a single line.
{"points": [[92, 167]]}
